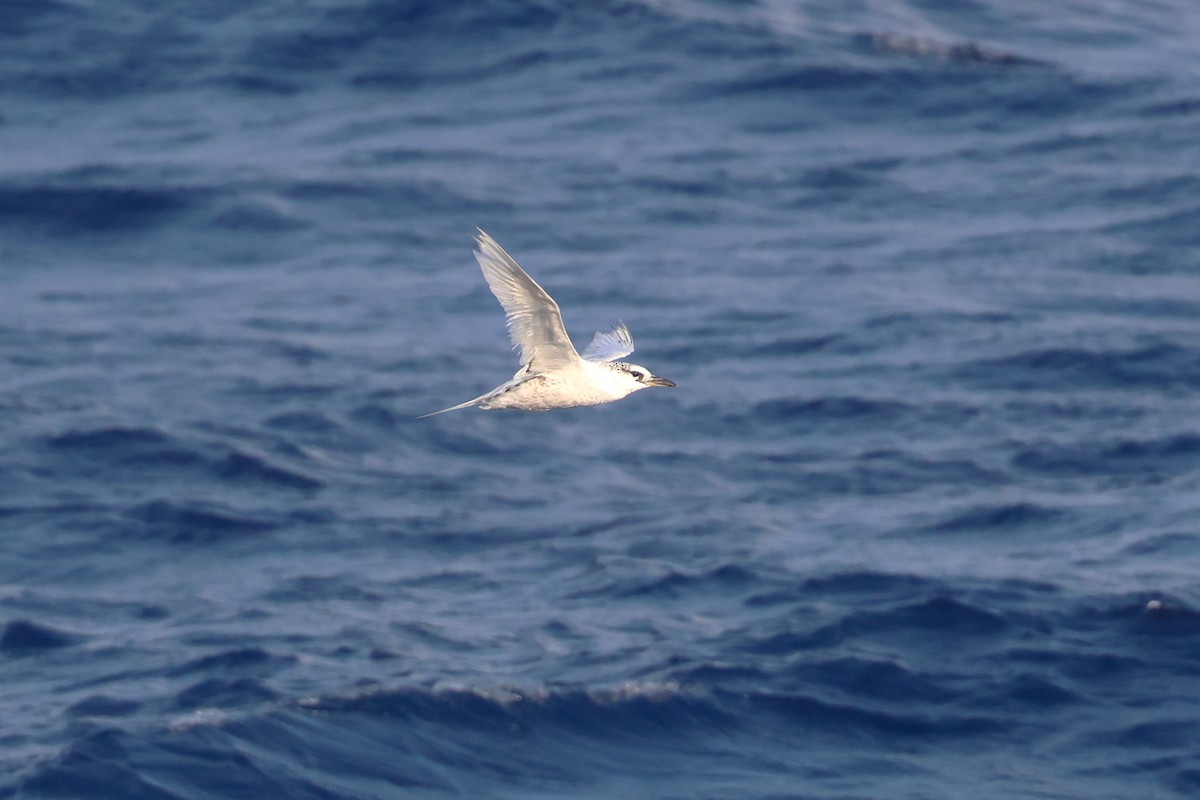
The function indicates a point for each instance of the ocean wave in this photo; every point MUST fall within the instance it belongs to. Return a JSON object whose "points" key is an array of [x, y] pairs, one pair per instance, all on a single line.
{"points": [[924, 273]]}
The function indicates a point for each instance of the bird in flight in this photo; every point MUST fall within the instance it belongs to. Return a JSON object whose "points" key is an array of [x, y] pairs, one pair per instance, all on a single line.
{"points": [[552, 373]]}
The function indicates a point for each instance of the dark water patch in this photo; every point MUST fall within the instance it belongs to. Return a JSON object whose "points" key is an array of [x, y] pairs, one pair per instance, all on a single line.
{"points": [[282, 390], [941, 615], [319, 588], [1173, 190], [1160, 629], [1181, 107], [391, 156], [815, 79], [1169, 545], [285, 325], [1017, 590], [839, 177], [1168, 618], [303, 422], [1062, 142], [257, 217], [1034, 691], [957, 52], [499, 742], [1162, 734], [1003, 516], [411, 197], [1088, 667], [25, 636], [1163, 365], [905, 325], [683, 216], [420, 76], [721, 675], [292, 51], [302, 355], [121, 447], [787, 348], [87, 209], [244, 82], [222, 693], [873, 679], [476, 21], [1022, 95], [99, 705], [456, 579], [196, 523], [674, 584], [1171, 229], [802, 484], [1058, 94], [95, 82], [244, 661], [1153, 308], [452, 440], [891, 472], [152, 612], [118, 451], [111, 438], [1186, 781], [681, 186], [882, 583], [243, 468], [868, 474], [830, 409], [378, 415], [95, 766], [805, 713], [1147, 460], [630, 713], [20, 15]]}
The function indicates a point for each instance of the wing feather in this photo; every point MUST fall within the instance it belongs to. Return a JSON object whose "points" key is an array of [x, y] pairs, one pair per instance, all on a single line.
{"points": [[535, 323], [610, 345]]}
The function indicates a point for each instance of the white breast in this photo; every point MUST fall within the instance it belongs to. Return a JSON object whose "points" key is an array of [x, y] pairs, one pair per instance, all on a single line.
{"points": [[581, 384]]}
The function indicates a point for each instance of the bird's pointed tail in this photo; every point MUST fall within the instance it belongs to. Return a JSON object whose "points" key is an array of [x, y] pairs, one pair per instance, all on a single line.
{"points": [[467, 404]]}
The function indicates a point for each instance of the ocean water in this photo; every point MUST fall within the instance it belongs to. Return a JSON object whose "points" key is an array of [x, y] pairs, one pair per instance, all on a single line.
{"points": [[922, 521]]}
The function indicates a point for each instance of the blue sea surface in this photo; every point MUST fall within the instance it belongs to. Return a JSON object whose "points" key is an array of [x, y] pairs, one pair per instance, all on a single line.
{"points": [[922, 520]]}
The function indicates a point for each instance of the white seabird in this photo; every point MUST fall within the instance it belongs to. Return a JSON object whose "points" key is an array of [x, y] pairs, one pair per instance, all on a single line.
{"points": [[552, 373]]}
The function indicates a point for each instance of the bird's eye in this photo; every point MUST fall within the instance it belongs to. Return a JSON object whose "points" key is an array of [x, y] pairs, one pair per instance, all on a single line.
{"points": [[638, 375]]}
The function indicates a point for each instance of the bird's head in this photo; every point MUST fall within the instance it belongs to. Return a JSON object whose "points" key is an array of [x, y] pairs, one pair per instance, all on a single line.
{"points": [[642, 378]]}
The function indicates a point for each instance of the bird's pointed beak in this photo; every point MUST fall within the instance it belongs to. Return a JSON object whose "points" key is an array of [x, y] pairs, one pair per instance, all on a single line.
{"points": [[657, 381]]}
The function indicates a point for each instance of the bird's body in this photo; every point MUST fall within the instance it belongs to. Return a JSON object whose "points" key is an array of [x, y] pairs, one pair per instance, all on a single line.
{"points": [[552, 375]]}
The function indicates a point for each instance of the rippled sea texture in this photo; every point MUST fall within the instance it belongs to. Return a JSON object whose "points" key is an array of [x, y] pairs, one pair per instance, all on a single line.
{"points": [[921, 522]]}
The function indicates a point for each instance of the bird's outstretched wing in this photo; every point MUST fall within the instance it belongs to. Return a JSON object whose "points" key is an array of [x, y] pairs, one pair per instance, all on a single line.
{"points": [[610, 345], [534, 322]]}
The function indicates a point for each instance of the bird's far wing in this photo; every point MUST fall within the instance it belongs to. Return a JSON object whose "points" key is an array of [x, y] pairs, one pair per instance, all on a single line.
{"points": [[534, 322], [610, 345]]}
